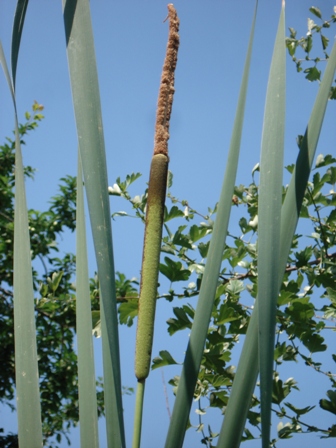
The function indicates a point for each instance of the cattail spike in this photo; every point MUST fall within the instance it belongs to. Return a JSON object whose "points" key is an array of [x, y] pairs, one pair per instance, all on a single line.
{"points": [[166, 92]]}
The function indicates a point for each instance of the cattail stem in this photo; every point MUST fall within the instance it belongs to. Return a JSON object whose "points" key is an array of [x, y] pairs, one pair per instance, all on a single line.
{"points": [[154, 221]]}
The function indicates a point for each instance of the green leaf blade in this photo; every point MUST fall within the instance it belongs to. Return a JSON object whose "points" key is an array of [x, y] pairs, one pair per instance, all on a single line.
{"points": [[86, 100]]}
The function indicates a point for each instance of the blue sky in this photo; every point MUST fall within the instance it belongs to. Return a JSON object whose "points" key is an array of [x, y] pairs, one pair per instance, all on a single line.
{"points": [[130, 40]]}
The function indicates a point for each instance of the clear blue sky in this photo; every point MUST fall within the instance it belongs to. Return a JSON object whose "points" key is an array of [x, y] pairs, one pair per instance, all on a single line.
{"points": [[130, 40]]}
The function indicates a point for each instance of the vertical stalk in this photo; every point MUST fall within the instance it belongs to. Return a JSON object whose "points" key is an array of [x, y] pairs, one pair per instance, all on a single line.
{"points": [[154, 221]]}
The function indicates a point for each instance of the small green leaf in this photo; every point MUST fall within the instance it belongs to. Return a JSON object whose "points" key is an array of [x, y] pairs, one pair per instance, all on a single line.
{"points": [[299, 411], [312, 74], [319, 161], [325, 41], [130, 178], [165, 359], [331, 293], [174, 212], [235, 287], [292, 33], [197, 233], [324, 161], [54, 281], [203, 249], [226, 314], [316, 11], [307, 44], [329, 405], [304, 256], [181, 239], [332, 94], [173, 270], [182, 320], [314, 342], [331, 432], [128, 311], [331, 175]]}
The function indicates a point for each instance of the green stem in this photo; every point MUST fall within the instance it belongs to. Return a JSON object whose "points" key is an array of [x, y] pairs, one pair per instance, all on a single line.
{"points": [[138, 413]]}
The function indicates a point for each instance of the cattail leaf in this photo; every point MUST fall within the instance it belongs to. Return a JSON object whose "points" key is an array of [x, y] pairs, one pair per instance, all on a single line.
{"points": [[88, 418], [19, 18], [269, 212], [86, 101], [26, 366]]}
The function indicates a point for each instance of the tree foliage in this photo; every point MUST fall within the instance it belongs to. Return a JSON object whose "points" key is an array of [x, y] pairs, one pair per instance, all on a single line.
{"points": [[306, 304]]}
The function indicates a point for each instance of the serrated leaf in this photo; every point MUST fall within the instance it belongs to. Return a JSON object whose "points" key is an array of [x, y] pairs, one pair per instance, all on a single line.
{"points": [[174, 212], [164, 359], [319, 161], [325, 42], [130, 178], [203, 249], [179, 239], [128, 311], [299, 411], [331, 432], [173, 270], [314, 342], [226, 314], [235, 287], [332, 175], [304, 256], [182, 320], [196, 233], [307, 44], [312, 74], [331, 293], [324, 161], [332, 95], [329, 405]]}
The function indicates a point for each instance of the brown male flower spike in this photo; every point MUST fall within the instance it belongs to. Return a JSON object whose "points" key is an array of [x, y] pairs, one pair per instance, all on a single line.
{"points": [[155, 206], [166, 92]]}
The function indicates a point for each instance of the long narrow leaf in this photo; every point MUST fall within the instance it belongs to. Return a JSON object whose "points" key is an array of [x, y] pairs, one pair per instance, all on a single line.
{"points": [[19, 17], [86, 100], [199, 331], [88, 418], [26, 366], [248, 368], [269, 214]]}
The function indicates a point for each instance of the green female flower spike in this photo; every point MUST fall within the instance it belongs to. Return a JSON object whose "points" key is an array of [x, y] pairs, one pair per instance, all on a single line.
{"points": [[150, 264]]}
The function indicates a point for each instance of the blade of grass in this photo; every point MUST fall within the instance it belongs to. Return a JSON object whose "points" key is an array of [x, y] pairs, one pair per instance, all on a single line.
{"points": [[86, 100], [199, 331], [248, 368], [88, 417], [26, 366], [269, 219]]}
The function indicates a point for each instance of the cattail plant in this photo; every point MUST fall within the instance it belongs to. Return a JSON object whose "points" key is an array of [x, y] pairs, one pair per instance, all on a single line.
{"points": [[277, 223]]}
